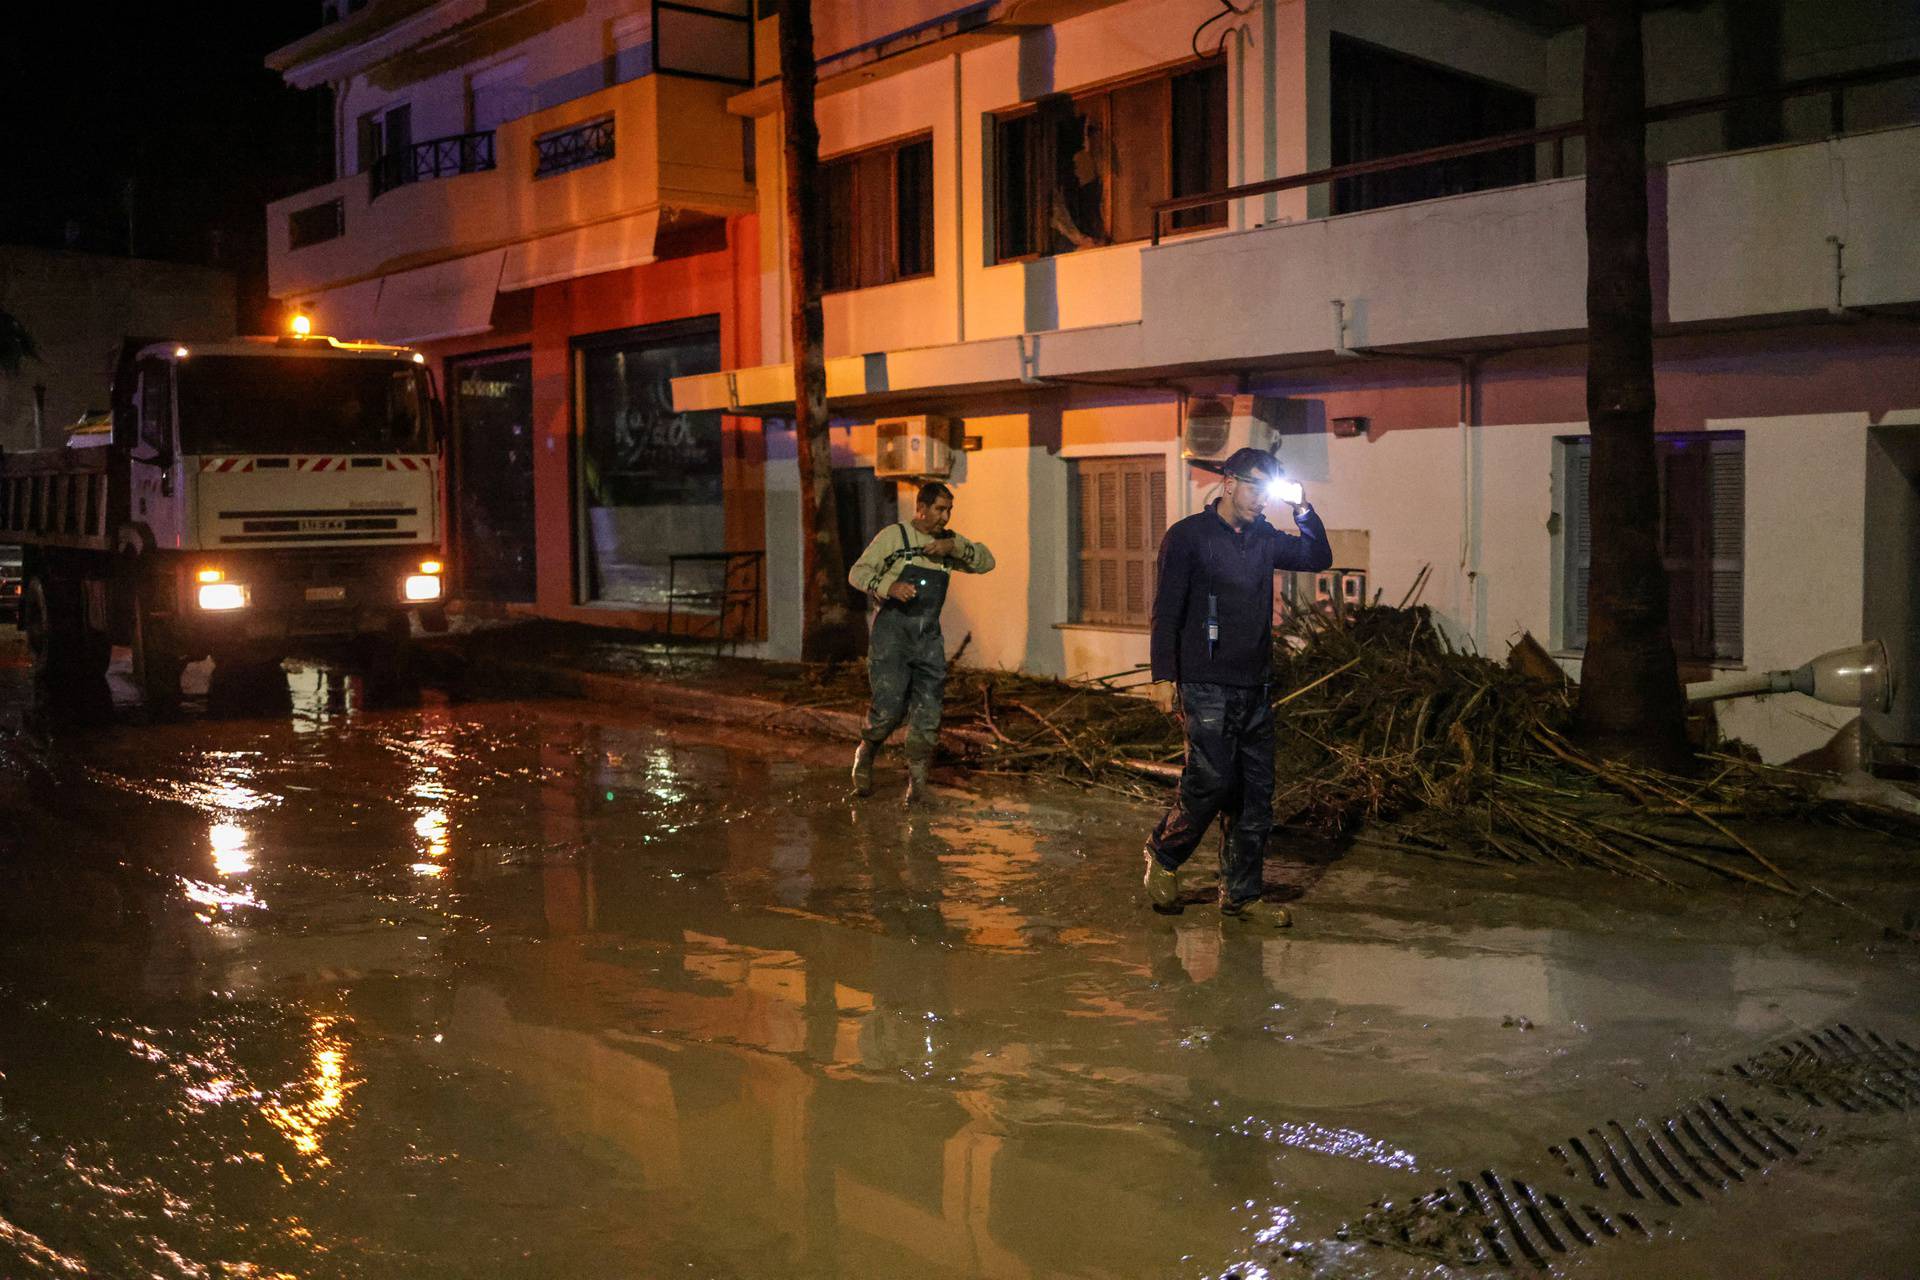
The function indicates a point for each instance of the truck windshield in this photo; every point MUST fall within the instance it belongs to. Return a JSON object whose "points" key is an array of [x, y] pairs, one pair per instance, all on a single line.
{"points": [[294, 404]]}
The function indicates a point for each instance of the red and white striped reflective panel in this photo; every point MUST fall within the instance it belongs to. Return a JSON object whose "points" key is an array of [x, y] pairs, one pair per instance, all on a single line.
{"points": [[409, 464], [320, 464], [226, 464]]}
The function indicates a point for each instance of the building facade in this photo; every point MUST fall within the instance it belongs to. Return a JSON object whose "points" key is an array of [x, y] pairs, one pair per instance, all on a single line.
{"points": [[553, 201], [1412, 338], [578, 209]]}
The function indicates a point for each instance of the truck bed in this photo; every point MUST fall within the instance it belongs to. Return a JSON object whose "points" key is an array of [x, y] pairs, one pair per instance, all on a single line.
{"points": [[73, 498]]}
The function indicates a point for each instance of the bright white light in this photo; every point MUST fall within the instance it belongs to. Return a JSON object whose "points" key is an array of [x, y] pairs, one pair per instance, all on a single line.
{"points": [[1281, 489], [231, 857], [220, 597], [180, 353], [423, 586]]}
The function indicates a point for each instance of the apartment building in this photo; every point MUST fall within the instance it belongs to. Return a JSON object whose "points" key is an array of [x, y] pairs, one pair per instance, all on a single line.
{"points": [[1411, 339], [552, 199]]}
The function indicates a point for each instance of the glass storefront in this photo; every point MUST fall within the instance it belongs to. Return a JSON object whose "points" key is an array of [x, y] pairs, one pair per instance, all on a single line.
{"points": [[648, 480], [492, 489]]}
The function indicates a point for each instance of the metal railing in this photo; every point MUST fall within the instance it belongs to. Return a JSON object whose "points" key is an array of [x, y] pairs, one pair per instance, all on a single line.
{"points": [[1834, 86], [435, 158], [317, 223], [564, 150]]}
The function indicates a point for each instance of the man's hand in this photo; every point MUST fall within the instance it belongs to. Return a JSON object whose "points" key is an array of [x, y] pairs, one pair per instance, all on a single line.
{"points": [[940, 548], [902, 591]]}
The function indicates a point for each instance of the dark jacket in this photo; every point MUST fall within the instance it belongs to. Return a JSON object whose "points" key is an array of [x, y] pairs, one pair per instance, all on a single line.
{"points": [[1202, 556]]}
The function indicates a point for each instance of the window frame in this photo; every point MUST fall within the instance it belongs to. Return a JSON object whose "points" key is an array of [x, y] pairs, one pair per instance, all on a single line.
{"points": [[891, 148], [1038, 153]]}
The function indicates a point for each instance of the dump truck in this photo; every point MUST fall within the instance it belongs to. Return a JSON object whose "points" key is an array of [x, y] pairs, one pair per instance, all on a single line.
{"points": [[248, 501]]}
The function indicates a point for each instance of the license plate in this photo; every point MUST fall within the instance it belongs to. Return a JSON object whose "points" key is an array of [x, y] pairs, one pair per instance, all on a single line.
{"points": [[326, 595]]}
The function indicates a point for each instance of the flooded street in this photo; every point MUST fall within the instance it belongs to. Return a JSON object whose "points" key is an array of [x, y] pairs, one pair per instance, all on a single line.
{"points": [[548, 989]]}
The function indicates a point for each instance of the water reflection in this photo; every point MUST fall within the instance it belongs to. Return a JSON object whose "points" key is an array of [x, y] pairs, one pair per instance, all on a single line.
{"points": [[231, 854], [304, 1109]]}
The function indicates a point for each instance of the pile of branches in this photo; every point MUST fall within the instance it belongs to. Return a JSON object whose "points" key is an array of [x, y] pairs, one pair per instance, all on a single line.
{"points": [[1390, 735]]}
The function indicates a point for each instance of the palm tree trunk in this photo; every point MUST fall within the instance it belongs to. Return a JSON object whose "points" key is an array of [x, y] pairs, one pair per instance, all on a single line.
{"points": [[1631, 706], [828, 629]]}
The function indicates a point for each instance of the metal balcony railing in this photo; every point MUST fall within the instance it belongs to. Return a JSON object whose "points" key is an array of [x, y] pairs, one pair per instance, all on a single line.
{"points": [[577, 147], [1833, 86], [435, 158]]}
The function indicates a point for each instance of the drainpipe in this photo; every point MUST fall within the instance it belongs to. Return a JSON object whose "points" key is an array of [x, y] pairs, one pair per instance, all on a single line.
{"points": [[959, 206], [1467, 367]]}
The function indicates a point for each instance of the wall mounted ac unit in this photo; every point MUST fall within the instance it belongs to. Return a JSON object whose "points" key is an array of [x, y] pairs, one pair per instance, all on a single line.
{"points": [[915, 448], [1212, 428]]}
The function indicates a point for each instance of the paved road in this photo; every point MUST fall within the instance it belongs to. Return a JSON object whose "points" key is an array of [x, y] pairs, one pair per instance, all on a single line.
{"points": [[548, 989]]}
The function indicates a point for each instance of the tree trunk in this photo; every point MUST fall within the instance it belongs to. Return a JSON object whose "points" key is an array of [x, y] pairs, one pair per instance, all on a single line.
{"points": [[1631, 706], [828, 629]]}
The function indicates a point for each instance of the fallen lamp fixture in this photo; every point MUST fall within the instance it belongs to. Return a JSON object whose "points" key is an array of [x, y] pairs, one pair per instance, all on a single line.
{"points": [[1857, 676]]}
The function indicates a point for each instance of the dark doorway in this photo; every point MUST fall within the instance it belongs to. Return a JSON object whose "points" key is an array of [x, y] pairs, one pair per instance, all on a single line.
{"points": [[1387, 104], [865, 506], [491, 399]]}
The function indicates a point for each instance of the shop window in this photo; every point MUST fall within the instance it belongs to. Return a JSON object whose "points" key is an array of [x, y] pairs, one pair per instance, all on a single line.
{"points": [[1387, 104], [1702, 481], [648, 478], [1073, 171], [879, 215], [1118, 512]]}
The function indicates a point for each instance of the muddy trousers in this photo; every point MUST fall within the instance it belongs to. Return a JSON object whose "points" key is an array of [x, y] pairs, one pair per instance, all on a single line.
{"points": [[1228, 775], [907, 665]]}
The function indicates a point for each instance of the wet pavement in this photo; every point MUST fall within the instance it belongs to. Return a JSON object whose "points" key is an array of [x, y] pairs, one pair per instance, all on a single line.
{"points": [[547, 989]]}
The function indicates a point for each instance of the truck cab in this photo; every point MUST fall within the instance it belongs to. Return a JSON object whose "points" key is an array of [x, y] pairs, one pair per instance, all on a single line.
{"points": [[251, 500]]}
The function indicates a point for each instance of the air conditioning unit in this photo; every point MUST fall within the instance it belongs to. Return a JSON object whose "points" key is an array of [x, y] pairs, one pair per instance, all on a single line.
{"points": [[1212, 428], [915, 448]]}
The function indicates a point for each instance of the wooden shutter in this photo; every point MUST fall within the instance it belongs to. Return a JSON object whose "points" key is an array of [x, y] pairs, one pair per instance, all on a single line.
{"points": [[1727, 566], [873, 217], [1122, 509], [1140, 127], [1576, 521]]}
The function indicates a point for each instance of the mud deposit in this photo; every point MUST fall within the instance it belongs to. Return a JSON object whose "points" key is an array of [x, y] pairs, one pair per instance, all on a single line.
{"points": [[550, 990]]}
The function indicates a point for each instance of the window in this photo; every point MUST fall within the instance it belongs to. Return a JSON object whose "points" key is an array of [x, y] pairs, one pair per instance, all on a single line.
{"points": [[648, 477], [1118, 510], [1074, 171], [879, 215], [1702, 527], [1387, 104], [156, 409], [385, 133]]}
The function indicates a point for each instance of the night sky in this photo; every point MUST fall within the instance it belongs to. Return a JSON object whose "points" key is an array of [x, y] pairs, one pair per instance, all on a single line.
{"points": [[156, 129]]}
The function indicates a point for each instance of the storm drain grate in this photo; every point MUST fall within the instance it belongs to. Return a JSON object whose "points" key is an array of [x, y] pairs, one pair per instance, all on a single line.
{"points": [[1839, 1067], [1649, 1168]]}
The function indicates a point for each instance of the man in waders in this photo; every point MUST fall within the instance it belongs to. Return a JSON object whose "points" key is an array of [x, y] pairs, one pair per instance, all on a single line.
{"points": [[1213, 635], [904, 573]]}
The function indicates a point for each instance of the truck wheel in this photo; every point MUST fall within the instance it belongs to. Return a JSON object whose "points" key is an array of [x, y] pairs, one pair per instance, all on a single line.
{"points": [[242, 687], [156, 666], [69, 662]]}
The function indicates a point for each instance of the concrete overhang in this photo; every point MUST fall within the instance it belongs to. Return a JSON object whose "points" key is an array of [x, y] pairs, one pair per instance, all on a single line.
{"points": [[962, 29], [367, 38]]}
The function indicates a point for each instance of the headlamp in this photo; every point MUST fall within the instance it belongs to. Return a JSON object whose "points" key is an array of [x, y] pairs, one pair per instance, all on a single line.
{"points": [[1281, 489]]}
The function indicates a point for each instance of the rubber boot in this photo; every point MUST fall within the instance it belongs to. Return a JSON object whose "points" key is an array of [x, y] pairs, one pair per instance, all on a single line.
{"points": [[1163, 887], [863, 768], [919, 789], [1258, 911]]}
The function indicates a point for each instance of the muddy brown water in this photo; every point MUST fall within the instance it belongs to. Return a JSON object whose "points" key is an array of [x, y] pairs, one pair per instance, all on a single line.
{"points": [[547, 989]]}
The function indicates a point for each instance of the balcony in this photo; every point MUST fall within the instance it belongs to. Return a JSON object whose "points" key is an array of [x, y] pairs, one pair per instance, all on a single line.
{"points": [[607, 167]]}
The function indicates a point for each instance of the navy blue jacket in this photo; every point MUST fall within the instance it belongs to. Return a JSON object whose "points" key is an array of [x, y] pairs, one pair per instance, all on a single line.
{"points": [[1202, 556]]}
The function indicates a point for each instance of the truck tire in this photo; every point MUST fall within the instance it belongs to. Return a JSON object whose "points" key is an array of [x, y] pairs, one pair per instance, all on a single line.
{"points": [[239, 687], [388, 670], [157, 665], [69, 661]]}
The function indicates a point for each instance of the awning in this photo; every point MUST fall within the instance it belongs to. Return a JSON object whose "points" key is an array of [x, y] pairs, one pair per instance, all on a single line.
{"points": [[604, 246], [446, 300]]}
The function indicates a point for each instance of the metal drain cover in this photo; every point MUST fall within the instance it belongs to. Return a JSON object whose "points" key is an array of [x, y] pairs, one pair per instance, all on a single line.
{"points": [[1606, 1183]]}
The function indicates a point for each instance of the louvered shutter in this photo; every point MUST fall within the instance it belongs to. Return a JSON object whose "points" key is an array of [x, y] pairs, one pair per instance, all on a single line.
{"points": [[1122, 505], [1576, 519], [1727, 480]]}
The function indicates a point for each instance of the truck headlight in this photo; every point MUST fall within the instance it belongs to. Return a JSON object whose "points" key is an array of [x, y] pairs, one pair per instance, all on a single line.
{"points": [[421, 587], [222, 597]]}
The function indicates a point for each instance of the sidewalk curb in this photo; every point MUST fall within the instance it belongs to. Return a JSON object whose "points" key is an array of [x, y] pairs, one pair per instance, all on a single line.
{"points": [[650, 693]]}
